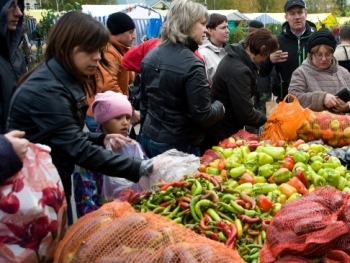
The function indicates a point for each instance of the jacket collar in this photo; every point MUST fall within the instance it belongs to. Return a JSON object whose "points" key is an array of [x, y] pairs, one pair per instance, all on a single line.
{"points": [[235, 50], [309, 28]]}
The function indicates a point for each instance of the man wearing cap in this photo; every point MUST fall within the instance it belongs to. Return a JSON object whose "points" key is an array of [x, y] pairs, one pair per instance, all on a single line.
{"points": [[292, 40], [122, 29]]}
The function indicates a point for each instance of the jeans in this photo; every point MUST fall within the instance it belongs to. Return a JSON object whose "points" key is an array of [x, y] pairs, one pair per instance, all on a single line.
{"points": [[91, 124], [153, 148]]}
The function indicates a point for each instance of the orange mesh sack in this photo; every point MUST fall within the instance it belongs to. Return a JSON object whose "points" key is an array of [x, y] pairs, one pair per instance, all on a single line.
{"points": [[333, 129], [314, 226], [116, 233], [285, 120]]}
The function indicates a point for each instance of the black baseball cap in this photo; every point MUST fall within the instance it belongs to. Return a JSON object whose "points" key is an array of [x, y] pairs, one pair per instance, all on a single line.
{"points": [[291, 3]]}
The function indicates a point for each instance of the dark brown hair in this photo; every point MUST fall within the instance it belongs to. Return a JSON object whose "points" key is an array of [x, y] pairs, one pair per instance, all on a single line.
{"points": [[76, 29], [215, 20], [261, 42]]}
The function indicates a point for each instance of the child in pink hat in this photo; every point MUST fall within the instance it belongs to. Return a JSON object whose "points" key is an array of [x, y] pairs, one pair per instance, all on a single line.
{"points": [[112, 111]]}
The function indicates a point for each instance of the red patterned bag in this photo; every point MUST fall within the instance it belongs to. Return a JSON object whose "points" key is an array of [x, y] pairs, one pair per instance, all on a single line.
{"points": [[33, 216]]}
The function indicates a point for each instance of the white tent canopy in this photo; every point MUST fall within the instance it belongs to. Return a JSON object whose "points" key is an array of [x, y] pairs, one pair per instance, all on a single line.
{"points": [[234, 15], [135, 11]]}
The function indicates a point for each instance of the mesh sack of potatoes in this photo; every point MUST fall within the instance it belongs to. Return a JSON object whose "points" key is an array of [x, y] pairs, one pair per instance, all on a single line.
{"points": [[116, 233], [315, 226]]}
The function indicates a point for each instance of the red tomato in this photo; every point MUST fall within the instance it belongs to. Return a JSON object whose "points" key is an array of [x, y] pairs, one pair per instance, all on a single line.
{"points": [[264, 203]]}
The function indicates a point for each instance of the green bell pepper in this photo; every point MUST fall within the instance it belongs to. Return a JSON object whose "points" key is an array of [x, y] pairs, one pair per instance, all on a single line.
{"points": [[294, 196], [342, 183], [334, 160], [227, 152], [316, 158], [319, 148], [298, 166], [342, 170], [282, 175], [276, 153], [212, 170], [238, 171], [266, 170], [245, 151], [252, 157], [246, 188], [301, 156], [332, 176], [316, 165], [264, 158], [317, 180], [346, 189], [234, 160], [291, 151], [264, 188], [252, 166], [259, 179]]}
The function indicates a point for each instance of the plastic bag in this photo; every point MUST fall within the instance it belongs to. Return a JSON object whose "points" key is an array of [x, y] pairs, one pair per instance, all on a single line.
{"points": [[285, 120], [114, 186], [170, 166], [33, 210], [271, 105]]}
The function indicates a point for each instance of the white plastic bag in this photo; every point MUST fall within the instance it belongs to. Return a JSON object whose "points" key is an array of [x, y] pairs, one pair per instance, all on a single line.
{"points": [[113, 186], [171, 166]]}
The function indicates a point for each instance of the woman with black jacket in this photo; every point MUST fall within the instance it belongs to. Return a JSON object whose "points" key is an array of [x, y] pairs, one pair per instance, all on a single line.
{"points": [[51, 101]]}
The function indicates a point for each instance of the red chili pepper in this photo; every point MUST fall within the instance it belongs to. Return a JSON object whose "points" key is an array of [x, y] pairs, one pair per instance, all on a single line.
{"points": [[213, 180], [203, 222], [214, 236], [232, 237], [224, 228], [248, 199], [183, 204], [166, 203], [248, 219], [253, 145], [179, 183], [298, 142], [302, 177], [217, 178], [240, 202], [165, 186], [203, 175]]}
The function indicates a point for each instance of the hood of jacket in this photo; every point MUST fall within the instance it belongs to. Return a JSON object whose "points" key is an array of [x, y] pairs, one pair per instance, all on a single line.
{"points": [[211, 46], [9, 40], [310, 28], [238, 51]]}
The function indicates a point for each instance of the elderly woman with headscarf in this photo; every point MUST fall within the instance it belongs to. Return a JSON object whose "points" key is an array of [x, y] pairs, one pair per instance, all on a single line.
{"points": [[319, 78]]}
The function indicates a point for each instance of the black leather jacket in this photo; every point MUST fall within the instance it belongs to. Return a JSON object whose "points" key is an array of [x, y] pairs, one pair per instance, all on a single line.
{"points": [[51, 103], [175, 96]]}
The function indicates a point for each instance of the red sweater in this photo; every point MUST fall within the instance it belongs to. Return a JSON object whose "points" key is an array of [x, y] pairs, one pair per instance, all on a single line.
{"points": [[132, 58]]}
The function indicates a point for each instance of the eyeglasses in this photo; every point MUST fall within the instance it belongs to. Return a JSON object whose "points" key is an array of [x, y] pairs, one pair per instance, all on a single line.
{"points": [[14, 6], [320, 55]]}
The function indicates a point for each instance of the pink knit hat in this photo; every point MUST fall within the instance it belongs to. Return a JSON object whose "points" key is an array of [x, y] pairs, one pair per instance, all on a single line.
{"points": [[109, 105]]}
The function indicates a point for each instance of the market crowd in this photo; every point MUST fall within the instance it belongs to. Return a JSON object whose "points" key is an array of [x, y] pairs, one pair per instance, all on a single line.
{"points": [[195, 89]]}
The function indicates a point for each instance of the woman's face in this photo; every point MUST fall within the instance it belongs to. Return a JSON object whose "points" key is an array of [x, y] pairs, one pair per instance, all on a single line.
{"points": [[86, 62], [322, 58], [199, 29], [119, 125]]}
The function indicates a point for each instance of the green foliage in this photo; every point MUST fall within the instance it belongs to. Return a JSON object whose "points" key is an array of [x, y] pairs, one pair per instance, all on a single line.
{"points": [[46, 22], [275, 29], [239, 33]]}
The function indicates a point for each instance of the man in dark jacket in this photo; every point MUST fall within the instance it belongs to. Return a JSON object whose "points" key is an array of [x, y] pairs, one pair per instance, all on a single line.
{"points": [[11, 59], [292, 42]]}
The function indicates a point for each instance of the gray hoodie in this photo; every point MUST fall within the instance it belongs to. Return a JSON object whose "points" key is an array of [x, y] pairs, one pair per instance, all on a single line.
{"points": [[11, 60]]}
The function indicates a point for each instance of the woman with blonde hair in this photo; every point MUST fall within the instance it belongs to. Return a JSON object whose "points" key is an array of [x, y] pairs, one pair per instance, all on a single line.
{"points": [[175, 100]]}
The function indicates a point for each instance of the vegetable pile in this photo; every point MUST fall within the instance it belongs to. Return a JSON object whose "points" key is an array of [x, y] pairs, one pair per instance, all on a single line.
{"points": [[240, 186]]}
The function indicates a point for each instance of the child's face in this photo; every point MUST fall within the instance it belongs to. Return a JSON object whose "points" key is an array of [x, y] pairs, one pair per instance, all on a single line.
{"points": [[118, 125]]}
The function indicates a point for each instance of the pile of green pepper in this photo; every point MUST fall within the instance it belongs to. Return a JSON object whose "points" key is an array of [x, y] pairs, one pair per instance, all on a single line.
{"points": [[234, 197]]}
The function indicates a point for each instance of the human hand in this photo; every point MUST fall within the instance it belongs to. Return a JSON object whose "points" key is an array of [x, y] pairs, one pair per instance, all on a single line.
{"points": [[278, 56], [135, 118], [117, 141], [19, 144], [341, 106], [331, 101]]}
